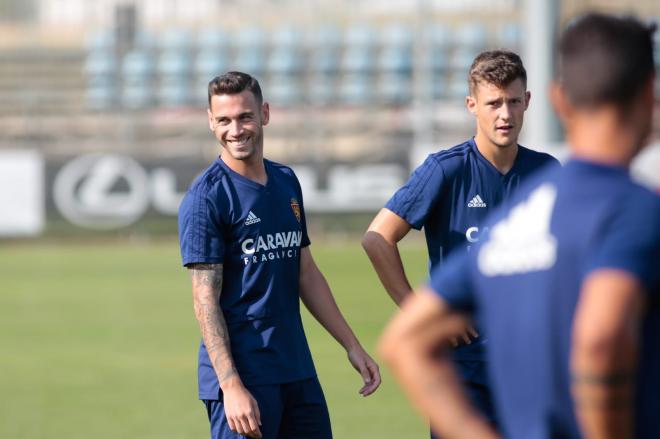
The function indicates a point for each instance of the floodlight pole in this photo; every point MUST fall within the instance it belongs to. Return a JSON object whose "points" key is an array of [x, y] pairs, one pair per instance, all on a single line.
{"points": [[541, 20]]}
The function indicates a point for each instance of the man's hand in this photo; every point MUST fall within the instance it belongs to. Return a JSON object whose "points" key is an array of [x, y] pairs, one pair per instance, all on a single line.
{"points": [[465, 336], [241, 409], [367, 367]]}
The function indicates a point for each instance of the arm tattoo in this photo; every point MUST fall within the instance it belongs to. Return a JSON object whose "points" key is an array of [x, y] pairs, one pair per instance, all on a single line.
{"points": [[207, 287]]}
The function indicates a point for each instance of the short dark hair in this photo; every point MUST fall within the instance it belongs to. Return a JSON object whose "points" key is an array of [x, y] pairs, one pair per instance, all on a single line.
{"points": [[604, 59], [497, 67], [232, 83]]}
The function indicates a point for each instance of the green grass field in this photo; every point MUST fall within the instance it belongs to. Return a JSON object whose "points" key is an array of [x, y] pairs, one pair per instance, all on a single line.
{"points": [[98, 340]]}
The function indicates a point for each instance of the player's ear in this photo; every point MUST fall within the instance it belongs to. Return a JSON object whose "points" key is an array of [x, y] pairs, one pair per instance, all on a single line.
{"points": [[528, 97], [265, 113], [471, 104], [208, 111], [560, 102]]}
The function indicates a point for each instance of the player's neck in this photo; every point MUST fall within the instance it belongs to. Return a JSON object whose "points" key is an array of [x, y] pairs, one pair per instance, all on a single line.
{"points": [[501, 157], [252, 168], [602, 138]]}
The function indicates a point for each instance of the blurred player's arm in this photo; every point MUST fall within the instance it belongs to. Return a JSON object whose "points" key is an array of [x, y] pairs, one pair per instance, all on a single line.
{"points": [[604, 353], [241, 408], [380, 242], [415, 345], [317, 297]]}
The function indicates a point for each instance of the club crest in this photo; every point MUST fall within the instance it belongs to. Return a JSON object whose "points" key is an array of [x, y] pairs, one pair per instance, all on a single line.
{"points": [[296, 208]]}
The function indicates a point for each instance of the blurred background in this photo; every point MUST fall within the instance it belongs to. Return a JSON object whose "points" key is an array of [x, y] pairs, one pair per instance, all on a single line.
{"points": [[103, 126]]}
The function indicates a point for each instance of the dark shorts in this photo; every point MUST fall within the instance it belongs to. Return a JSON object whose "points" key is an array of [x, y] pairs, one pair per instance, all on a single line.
{"points": [[294, 410], [474, 376]]}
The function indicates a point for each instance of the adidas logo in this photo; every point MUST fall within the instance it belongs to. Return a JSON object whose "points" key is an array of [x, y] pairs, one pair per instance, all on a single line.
{"points": [[251, 219], [476, 202]]}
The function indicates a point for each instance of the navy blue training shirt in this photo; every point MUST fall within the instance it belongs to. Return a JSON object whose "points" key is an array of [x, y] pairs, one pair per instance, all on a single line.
{"points": [[524, 279], [450, 195], [257, 233]]}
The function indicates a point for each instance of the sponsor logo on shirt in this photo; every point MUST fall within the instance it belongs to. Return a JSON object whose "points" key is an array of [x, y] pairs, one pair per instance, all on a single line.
{"points": [[252, 219], [280, 245], [522, 242], [477, 202]]}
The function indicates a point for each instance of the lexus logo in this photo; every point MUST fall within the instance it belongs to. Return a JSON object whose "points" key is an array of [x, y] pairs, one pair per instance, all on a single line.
{"points": [[102, 191]]}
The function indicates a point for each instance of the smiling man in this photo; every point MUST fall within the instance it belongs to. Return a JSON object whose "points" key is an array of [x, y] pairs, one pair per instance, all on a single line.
{"points": [[451, 193], [244, 241]]}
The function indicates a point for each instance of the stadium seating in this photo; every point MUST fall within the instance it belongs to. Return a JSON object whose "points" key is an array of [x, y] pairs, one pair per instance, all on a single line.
{"points": [[361, 64]]}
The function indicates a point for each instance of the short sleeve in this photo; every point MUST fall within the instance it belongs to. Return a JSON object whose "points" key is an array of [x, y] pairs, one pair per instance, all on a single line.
{"points": [[303, 221], [415, 199], [631, 241], [453, 281], [200, 229]]}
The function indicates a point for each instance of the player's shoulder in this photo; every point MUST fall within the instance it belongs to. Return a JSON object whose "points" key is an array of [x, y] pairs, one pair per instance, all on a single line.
{"points": [[206, 186], [279, 167], [281, 171], [450, 159], [537, 157], [209, 179]]}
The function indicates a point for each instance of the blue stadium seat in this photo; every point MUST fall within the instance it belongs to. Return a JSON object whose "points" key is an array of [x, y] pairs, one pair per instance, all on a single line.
{"points": [[397, 35], [250, 38], [438, 59], [100, 62], [358, 59], [457, 88], [324, 60], [284, 91], [471, 36], [211, 62], [145, 40], [439, 88], [212, 38], [287, 36], [173, 92], [462, 59], [138, 66], [511, 36], [252, 61], [323, 90], [102, 39], [326, 38], [360, 35], [175, 62], [356, 89], [285, 60], [394, 89], [396, 59], [138, 74], [175, 39], [438, 36]]}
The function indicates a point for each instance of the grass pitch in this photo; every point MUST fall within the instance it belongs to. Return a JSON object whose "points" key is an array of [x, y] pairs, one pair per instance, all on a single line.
{"points": [[99, 341]]}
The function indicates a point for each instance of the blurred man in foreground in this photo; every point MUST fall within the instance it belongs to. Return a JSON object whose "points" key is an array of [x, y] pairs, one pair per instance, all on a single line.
{"points": [[451, 193], [567, 283], [244, 241]]}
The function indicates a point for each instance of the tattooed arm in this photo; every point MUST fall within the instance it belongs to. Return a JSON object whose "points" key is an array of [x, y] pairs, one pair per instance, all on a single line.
{"points": [[241, 408], [604, 353]]}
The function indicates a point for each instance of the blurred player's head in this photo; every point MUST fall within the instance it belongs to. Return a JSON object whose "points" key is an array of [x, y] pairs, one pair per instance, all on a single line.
{"points": [[498, 97], [237, 115], [605, 73]]}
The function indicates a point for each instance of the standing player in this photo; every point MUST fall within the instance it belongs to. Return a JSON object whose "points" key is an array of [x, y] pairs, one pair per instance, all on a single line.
{"points": [[244, 240], [451, 193], [567, 283]]}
